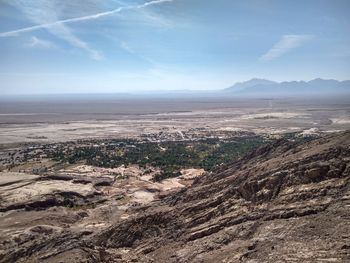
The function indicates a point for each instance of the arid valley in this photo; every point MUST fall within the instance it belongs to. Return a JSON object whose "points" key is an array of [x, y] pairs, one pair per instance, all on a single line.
{"points": [[174, 131], [196, 180], [41, 121]]}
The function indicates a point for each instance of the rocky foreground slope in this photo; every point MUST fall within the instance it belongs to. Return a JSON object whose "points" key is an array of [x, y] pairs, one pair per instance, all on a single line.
{"points": [[282, 203]]}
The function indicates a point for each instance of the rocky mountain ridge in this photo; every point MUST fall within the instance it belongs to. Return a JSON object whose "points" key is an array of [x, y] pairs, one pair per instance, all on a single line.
{"points": [[284, 202], [317, 86]]}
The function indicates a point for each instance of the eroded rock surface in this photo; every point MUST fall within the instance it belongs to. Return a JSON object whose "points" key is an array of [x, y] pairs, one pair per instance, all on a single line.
{"points": [[282, 203]]}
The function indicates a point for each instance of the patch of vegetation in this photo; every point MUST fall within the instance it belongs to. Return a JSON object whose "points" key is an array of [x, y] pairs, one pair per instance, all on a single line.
{"points": [[67, 202], [296, 137], [170, 156]]}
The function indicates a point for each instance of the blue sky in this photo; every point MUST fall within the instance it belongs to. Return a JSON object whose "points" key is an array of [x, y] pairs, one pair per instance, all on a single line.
{"points": [[74, 46]]}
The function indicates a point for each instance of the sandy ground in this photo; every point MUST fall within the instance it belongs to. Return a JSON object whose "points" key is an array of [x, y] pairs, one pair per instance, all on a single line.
{"points": [[17, 187], [189, 174], [10, 178], [258, 120], [133, 189]]}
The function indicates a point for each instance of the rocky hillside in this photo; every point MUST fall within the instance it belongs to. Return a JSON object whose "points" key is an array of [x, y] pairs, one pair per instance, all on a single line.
{"points": [[285, 202]]}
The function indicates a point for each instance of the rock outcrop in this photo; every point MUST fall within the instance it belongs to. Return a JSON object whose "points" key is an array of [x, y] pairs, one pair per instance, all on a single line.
{"points": [[285, 202]]}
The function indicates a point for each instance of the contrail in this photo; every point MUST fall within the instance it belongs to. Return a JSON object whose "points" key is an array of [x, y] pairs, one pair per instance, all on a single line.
{"points": [[82, 18]]}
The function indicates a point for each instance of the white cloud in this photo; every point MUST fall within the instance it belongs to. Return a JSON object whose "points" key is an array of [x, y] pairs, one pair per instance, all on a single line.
{"points": [[284, 45], [36, 8], [65, 33], [45, 12], [40, 43]]}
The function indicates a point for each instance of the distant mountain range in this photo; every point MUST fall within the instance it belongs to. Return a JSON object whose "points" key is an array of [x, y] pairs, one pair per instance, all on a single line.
{"points": [[258, 87]]}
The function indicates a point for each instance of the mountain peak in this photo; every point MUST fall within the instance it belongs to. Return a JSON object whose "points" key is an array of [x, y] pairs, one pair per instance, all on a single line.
{"points": [[263, 87], [250, 83]]}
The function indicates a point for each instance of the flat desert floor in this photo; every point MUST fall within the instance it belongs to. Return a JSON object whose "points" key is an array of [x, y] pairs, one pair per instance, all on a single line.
{"points": [[72, 119]]}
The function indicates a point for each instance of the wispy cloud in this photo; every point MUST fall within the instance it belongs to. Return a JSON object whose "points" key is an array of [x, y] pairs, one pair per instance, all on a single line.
{"points": [[125, 46], [284, 45], [82, 18], [44, 14], [65, 33], [36, 42]]}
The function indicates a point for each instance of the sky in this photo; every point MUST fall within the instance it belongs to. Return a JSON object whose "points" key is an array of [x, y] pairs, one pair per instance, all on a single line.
{"points": [[112, 46]]}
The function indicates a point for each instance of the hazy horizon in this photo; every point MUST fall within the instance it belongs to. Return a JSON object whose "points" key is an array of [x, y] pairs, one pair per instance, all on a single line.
{"points": [[159, 92]]}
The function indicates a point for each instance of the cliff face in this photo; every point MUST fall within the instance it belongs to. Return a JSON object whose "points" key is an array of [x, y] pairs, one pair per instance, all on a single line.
{"points": [[282, 203]]}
